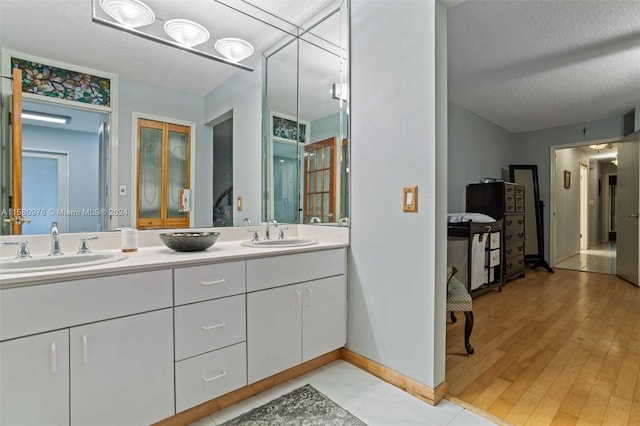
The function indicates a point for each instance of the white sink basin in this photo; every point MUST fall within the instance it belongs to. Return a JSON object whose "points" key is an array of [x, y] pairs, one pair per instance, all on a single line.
{"points": [[49, 263], [288, 242]]}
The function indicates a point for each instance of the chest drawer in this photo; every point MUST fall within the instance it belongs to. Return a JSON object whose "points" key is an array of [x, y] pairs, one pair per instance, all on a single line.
{"points": [[210, 375], [514, 221], [206, 326], [197, 283]]}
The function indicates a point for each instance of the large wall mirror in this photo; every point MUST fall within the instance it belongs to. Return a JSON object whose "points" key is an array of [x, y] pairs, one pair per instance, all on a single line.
{"points": [[306, 128], [301, 58]]}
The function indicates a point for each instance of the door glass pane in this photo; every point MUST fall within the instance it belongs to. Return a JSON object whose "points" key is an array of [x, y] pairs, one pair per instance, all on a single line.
{"points": [[326, 181], [177, 172], [326, 154], [150, 172], [318, 181], [325, 207]]}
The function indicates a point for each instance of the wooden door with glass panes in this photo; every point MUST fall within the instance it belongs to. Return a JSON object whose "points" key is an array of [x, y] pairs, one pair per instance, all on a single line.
{"points": [[163, 171], [320, 181]]}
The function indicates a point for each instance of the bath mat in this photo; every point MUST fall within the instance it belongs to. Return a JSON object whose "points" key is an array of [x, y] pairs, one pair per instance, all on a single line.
{"points": [[304, 406]]}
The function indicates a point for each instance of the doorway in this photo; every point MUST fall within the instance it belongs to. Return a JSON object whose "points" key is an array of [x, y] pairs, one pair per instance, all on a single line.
{"points": [[579, 208]]}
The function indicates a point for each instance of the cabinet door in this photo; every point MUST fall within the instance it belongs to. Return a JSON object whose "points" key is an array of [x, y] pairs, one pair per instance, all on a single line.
{"points": [[34, 380], [324, 319], [122, 370], [274, 331]]}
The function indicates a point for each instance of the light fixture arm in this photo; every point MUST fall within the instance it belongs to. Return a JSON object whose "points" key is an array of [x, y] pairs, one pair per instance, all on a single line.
{"points": [[169, 43]]}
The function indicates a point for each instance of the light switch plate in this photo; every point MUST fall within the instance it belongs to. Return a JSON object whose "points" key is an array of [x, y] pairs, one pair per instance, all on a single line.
{"points": [[239, 204], [410, 199], [123, 190]]}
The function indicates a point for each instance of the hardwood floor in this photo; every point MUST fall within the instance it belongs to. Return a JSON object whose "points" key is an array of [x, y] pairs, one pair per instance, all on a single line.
{"points": [[552, 349]]}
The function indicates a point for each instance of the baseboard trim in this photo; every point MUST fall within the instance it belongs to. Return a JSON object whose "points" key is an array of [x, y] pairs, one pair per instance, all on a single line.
{"points": [[206, 408], [409, 385]]}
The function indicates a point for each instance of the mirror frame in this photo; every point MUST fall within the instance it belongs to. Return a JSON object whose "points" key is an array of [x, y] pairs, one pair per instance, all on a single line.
{"points": [[533, 212]]}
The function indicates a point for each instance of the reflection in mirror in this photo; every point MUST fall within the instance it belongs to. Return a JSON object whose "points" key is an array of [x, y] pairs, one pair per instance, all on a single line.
{"points": [[306, 142], [187, 90]]}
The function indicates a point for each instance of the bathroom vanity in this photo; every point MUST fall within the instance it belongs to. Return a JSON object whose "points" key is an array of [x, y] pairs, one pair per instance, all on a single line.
{"points": [[136, 341]]}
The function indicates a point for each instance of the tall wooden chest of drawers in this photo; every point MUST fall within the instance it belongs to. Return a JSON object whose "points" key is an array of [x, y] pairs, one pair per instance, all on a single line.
{"points": [[503, 200]]}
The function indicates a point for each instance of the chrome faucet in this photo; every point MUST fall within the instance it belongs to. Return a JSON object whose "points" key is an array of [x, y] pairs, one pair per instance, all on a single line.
{"points": [[55, 242], [266, 232]]}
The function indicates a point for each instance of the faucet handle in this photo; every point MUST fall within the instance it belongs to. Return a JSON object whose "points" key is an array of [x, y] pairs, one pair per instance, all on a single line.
{"points": [[254, 236], [246, 222], [281, 233], [23, 250], [84, 246]]}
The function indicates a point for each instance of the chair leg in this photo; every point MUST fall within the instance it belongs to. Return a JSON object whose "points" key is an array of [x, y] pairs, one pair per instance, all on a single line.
{"points": [[468, 327], [453, 317]]}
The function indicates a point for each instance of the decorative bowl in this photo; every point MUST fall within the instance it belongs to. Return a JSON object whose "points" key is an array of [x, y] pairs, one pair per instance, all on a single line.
{"points": [[189, 241]]}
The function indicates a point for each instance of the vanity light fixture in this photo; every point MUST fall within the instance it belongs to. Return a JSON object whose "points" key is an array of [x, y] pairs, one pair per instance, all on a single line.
{"points": [[186, 32], [234, 49], [49, 118], [129, 13]]}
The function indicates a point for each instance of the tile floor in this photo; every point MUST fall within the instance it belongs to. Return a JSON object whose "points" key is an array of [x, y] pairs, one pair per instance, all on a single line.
{"points": [[600, 258], [372, 400]]}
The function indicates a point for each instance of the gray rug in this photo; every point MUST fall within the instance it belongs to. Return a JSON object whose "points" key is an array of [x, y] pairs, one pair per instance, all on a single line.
{"points": [[304, 406]]}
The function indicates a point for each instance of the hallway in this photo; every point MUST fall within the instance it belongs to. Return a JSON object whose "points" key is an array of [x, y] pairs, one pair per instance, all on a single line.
{"points": [[600, 258], [560, 348]]}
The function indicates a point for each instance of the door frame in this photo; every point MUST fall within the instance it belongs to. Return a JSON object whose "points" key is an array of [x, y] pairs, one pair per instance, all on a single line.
{"points": [[552, 190], [584, 206]]}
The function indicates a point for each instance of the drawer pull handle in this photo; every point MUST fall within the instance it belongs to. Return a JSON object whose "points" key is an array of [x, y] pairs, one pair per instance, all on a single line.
{"points": [[54, 362], [222, 373], [85, 350], [297, 300], [211, 327], [205, 283], [309, 294]]}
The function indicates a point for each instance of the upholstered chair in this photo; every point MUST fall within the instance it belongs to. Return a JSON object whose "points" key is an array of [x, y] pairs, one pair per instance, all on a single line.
{"points": [[459, 299]]}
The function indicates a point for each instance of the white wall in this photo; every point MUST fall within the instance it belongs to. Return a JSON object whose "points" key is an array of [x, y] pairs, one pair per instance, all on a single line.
{"points": [[396, 315], [478, 149], [241, 94]]}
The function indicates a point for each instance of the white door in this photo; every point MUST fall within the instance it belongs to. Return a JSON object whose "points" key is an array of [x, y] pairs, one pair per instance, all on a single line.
{"points": [[45, 189], [628, 208], [324, 319], [122, 370], [584, 207], [274, 331], [37, 366]]}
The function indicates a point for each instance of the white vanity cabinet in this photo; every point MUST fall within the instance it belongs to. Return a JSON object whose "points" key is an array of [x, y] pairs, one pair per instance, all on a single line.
{"points": [[113, 357], [34, 380], [210, 332], [297, 311]]}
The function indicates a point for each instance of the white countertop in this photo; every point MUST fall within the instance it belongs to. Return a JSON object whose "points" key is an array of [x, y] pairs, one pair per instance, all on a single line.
{"points": [[160, 257]]}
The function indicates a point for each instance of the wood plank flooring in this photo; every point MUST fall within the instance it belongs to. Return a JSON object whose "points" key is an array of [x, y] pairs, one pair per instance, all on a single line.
{"points": [[552, 349]]}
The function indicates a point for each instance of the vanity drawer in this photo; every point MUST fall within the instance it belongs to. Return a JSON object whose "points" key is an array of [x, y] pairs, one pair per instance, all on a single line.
{"points": [[206, 326], [282, 270], [197, 283], [210, 375], [45, 307]]}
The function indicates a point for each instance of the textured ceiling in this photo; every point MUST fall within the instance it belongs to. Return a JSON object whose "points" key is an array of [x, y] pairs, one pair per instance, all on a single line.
{"points": [[527, 65]]}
